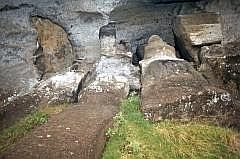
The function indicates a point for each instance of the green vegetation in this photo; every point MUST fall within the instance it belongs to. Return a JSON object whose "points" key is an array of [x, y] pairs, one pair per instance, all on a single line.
{"points": [[133, 137], [13, 133]]}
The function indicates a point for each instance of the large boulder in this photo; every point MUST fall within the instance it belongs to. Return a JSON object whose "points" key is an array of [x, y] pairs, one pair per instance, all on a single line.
{"points": [[196, 30], [173, 89]]}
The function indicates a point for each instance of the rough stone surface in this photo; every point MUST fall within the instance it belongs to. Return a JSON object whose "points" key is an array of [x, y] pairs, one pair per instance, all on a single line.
{"points": [[172, 89], [200, 29], [230, 13], [17, 45], [114, 68], [137, 21], [43, 36], [16, 107], [156, 47], [196, 30], [98, 103], [108, 45], [59, 89], [118, 72], [230, 27], [54, 53], [81, 20], [220, 64]]}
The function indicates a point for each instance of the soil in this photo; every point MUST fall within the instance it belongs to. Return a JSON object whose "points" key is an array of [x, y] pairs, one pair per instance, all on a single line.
{"points": [[76, 133]]}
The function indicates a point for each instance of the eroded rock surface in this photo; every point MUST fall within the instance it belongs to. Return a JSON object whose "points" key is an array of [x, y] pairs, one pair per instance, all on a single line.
{"points": [[173, 89], [54, 53], [220, 64], [192, 31], [81, 129], [17, 45]]}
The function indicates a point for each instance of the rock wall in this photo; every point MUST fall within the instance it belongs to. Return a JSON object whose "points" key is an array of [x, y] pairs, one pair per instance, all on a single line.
{"points": [[81, 20], [17, 46]]}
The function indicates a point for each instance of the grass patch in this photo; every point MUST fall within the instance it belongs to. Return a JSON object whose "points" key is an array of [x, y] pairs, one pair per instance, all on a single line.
{"points": [[133, 137], [10, 135]]}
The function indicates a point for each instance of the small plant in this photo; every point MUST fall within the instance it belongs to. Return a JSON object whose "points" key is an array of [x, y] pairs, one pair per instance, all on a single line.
{"points": [[118, 121], [132, 147]]}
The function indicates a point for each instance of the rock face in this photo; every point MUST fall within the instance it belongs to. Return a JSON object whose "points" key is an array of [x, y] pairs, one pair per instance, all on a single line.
{"points": [[114, 70], [173, 89], [54, 53], [17, 45], [82, 20], [136, 21], [229, 12], [201, 28], [107, 38], [196, 30], [221, 63]]}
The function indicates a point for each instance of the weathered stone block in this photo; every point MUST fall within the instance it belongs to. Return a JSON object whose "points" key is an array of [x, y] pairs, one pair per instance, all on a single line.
{"points": [[172, 89], [222, 63], [196, 30]]}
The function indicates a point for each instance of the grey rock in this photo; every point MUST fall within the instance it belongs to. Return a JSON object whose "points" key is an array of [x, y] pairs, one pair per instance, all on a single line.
{"points": [[81, 20], [196, 30], [54, 53], [230, 13], [17, 45], [118, 70]]}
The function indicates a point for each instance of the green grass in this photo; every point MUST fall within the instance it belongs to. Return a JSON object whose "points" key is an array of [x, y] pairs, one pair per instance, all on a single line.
{"points": [[133, 137], [10, 135]]}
